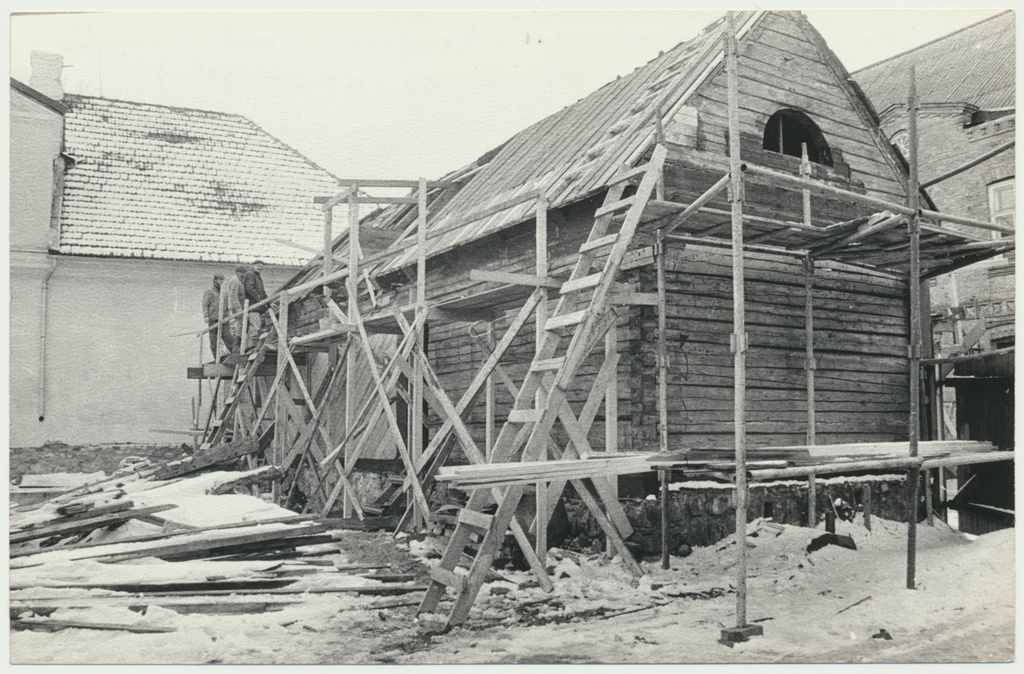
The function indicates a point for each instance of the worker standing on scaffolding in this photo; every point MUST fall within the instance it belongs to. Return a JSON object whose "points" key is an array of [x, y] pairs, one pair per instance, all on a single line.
{"points": [[211, 309], [255, 293], [232, 296]]}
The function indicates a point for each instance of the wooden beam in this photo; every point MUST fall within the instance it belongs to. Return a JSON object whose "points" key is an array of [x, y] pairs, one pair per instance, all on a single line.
{"points": [[811, 364], [968, 165], [914, 375], [739, 336], [510, 278], [410, 184], [540, 399]]}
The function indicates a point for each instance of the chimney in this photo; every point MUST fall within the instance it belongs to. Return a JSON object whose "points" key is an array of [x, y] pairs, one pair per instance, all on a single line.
{"points": [[46, 70]]}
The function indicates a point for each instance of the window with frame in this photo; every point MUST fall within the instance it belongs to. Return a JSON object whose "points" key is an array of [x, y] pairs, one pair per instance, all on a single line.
{"points": [[1001, 206], [787, 130], [901, 141]]}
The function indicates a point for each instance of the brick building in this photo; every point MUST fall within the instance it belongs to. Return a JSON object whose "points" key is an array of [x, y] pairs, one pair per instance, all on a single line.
{"points": [[966, 87]]}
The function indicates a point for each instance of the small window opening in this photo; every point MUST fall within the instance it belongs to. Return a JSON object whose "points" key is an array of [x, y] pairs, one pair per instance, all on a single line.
{"points": [[787, 130]]}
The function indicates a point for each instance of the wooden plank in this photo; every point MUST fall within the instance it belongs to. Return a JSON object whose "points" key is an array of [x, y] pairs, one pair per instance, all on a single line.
{"points": [[448, 578], [84, 525], [53, 625], [207, 544], [509, 278], [566, 320]]}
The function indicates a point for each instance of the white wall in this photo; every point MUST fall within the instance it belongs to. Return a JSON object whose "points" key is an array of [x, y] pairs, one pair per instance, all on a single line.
{"points": [[115, 368], [37, 133]]}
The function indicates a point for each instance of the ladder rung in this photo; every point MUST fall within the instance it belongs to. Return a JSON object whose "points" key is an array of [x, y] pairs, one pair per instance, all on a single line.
{"points": [[449, 578], [632, 174], [614, 207], [582, 283], [477, 520], [528, 416], [575, 318], [547, 364], [602, 242]]}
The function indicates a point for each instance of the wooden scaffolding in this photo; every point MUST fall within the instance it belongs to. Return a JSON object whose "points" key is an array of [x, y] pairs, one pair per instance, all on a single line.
{"points": [[375, 345]]}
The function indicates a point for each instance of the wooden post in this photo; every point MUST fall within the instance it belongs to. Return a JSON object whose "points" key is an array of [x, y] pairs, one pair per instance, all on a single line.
{"points": [[812, 364], [280, 449], [664, 475], [866, 498], [739, 336], [244, 345], [914, 281], [328, 243], [540, 399], [662, 346], [932, 411], [417, 385], [489, 401], [352, 286], [812, 501], [611, 413]]}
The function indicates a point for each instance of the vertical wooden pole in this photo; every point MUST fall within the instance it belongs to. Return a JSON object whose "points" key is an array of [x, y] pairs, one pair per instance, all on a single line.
{"points": [[664, 475], [662, 346], [540, 399], [739, 336], [812, 501], [328, 244], [611, 415], [914, 281], [866, 498], [416, 385], [244, 346], [489, 401], [812, 364], [280, 414], [352, 287]]}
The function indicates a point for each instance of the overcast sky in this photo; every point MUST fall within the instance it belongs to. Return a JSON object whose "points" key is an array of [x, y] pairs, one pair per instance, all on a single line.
{"points": [[400, 94]]}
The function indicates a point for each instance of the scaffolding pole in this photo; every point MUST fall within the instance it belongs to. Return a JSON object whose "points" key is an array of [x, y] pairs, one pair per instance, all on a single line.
{"points": [[914, 226]]}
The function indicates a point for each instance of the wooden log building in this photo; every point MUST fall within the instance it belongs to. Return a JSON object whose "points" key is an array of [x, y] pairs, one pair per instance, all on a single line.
{"points": [[718, 250]]}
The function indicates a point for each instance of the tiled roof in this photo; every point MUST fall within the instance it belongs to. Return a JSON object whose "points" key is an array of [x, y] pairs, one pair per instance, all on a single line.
{"points": [[575, 152], [974, 65], [152, 181]]}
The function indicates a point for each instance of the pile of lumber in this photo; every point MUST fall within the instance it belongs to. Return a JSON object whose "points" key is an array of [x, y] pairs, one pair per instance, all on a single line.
{"points": [[74, 551]]}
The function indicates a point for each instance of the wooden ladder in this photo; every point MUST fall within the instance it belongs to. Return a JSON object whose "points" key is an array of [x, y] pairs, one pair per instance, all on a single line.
{"points": [[241, 377], [583, 309]]}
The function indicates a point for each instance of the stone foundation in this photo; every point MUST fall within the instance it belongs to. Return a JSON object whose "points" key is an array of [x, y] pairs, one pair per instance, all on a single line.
{"points": [[704, 513]]}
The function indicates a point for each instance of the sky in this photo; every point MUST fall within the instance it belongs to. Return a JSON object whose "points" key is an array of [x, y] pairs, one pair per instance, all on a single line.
{"points": [[400, 94]]}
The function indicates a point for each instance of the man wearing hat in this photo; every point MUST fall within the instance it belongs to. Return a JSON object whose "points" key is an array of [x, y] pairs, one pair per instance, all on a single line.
{"points": [[211, 309], [232, 296]]}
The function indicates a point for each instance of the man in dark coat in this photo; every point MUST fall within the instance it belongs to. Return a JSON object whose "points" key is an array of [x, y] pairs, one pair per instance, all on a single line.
{"points": [[254, 292], [211, 311]]}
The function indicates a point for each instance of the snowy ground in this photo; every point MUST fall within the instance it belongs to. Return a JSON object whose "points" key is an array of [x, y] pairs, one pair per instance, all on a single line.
{"points": [[825, 606]]}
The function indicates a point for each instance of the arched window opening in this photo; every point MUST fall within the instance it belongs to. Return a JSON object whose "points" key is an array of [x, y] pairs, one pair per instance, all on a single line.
{"points": [[787, 130]]}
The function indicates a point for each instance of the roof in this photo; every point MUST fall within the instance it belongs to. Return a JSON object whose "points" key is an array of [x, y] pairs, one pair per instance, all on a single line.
{"points": [[973, 65], [152, 181], [576, 153], [573, 153], [40, 97]]}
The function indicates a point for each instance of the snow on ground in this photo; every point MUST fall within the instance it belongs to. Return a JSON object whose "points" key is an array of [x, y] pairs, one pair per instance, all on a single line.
{"points": [[823, 606]]}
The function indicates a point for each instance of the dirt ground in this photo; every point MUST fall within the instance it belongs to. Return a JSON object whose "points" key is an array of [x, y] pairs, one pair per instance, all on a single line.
{"points": [[61, 458]]}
